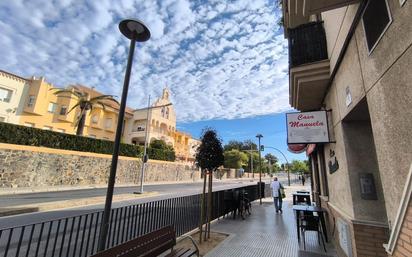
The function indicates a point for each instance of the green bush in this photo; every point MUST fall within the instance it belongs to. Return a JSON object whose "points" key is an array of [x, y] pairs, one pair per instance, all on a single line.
{"points": [[161, 154], [21, 135]]}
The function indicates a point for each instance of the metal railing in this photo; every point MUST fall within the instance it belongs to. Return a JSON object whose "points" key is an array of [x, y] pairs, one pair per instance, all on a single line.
{"points": [[78, 235], [307, 44]]}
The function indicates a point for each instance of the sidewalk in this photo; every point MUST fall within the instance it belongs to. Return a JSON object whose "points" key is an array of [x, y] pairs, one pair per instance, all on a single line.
{"points": [[265, 233]]}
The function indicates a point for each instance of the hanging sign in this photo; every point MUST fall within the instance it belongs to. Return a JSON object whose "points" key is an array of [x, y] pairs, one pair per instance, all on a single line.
{"points": [[297, 148], [307, 127]]}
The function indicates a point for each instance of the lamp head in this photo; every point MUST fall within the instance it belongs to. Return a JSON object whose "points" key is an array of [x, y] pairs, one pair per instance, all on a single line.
{"points": [[133, 28]]}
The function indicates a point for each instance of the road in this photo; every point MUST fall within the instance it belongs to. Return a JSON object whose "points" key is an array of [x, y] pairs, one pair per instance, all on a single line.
{"points": [[165, 191], [48, 238]]}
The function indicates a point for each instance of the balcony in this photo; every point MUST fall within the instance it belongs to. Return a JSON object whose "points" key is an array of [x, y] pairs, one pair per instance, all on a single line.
{"points": [[308, 66], [298, 12]]}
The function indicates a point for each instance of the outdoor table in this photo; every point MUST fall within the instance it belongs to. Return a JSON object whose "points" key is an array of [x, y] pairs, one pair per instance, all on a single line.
{"points": [[313, 209], [301, 198]]}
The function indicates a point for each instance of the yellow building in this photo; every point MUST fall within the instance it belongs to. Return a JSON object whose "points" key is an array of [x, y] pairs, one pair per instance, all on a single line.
{"points": [[45, 110], [162, 126], [162, 122]]}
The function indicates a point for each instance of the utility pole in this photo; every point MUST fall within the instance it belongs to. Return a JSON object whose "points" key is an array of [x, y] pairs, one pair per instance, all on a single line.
{"points": [[144, 159], [259, 136]]}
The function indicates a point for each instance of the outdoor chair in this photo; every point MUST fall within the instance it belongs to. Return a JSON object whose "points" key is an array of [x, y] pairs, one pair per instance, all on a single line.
{"points": [[310, 222]]}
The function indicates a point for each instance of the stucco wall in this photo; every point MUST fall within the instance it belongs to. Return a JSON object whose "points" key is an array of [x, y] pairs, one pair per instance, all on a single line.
{"points": [[10, 111], [384, 77], [25, 166]]}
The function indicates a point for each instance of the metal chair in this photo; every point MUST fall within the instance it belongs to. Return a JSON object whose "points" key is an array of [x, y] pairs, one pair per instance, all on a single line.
{"points": [[310, 222]]}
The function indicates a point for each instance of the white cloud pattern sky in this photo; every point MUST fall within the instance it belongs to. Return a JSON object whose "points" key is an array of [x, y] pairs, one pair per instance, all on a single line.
{"points": [[220, 59]]}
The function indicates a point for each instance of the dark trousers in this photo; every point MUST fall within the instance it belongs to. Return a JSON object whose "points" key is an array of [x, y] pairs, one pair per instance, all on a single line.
{"points": [[278, 203]]}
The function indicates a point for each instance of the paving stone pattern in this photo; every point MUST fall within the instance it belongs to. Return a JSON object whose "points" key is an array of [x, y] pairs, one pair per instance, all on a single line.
{"points": [[266, 233]]}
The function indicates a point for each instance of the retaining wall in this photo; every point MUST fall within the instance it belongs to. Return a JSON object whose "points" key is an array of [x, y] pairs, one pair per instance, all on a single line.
{"points": [[28, 166]]}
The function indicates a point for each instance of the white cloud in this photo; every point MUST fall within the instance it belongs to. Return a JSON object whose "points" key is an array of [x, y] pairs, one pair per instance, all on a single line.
{"points": [[220, 60]]}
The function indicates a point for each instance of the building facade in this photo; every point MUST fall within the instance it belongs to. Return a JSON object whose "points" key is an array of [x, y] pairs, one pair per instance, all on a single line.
{"points": [[162, 125], [12, 90], [45, 110], [353, 59], [32, 102]]}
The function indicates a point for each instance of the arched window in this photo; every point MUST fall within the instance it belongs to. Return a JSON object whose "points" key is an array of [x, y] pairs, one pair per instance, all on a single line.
{"points": [[167, 113], [163, 112]]}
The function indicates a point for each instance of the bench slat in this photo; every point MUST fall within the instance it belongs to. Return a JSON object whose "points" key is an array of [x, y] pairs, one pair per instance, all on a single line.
{"points": [[153, 244]]}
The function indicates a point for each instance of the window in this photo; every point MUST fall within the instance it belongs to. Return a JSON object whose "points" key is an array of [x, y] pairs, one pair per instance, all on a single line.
{"points": [[376, 20], [63, 110], [5, 95], [108, 123], [47, 128], [52, 107], [30, 103], [163, 111], [2, 119], [167, 113], [61, 130], [95, 119], [28, 124]]}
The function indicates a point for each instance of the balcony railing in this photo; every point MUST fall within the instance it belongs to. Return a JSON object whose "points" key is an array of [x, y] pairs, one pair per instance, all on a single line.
{"points": [[307, 44]]}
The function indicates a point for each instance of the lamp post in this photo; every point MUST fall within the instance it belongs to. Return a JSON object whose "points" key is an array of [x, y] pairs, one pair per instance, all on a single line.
{"points": [[287, 163], [145, 157], [136, 31], [259, 136]]}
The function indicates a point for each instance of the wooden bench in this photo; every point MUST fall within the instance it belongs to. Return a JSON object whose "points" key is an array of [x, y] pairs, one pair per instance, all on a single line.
{"points": [[151, 245]]}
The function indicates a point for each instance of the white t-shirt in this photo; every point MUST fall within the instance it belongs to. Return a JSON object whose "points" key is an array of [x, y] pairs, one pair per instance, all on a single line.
{"points": [[275, 185]]}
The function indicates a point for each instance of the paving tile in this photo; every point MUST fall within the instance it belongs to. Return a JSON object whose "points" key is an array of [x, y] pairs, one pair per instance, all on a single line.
{"points": [[265, 233]]}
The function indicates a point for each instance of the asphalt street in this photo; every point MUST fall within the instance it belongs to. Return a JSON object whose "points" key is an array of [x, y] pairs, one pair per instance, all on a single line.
{"points": [[164, 191]]}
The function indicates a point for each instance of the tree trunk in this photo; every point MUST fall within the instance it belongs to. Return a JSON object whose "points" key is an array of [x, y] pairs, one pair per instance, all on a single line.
{"points": [[210, 203], [82, 121], [202, 207]]}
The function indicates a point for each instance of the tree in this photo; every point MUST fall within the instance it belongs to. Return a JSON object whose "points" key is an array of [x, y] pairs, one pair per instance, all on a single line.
{"points": [[85, 103], [235, 159], [233, 144], [209, 157], [298, 166], [160, 150], [271, 158], [249, 145]]}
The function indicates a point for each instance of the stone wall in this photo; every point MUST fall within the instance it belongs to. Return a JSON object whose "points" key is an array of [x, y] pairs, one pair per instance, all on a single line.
{"points": [[27, 166]]}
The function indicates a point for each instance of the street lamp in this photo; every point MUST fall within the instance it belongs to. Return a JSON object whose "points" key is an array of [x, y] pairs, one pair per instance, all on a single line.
{"points": [[136, 31], [259, 136], [145, 157], [287, 163]]}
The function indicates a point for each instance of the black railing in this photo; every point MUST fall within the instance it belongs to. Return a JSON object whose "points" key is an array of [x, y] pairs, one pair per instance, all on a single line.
{"points": [[307, 44], [77, 235]]}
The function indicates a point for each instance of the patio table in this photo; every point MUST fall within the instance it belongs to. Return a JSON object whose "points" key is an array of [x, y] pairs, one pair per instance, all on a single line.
{"points": [[314, 210]]}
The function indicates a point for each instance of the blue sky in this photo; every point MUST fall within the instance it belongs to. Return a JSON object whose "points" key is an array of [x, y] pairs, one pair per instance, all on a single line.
{"points": [[225, 62], [272, 127]]}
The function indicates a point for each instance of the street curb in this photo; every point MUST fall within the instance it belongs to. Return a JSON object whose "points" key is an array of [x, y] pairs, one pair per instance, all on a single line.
{"points": [[59, 205], [16, 191]]}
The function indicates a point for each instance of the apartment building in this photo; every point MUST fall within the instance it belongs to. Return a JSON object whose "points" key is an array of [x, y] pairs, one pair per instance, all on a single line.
{"points": [[32, 102], [12, 88], [352, 59], [45, 110]]}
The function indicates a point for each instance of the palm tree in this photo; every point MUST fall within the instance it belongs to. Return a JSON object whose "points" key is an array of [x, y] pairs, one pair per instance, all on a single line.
{"points": [[85, 103]]}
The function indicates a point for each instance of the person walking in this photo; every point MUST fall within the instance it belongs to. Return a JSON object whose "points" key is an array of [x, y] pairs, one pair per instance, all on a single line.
{"points": [[303, 180], [277, 196]]}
